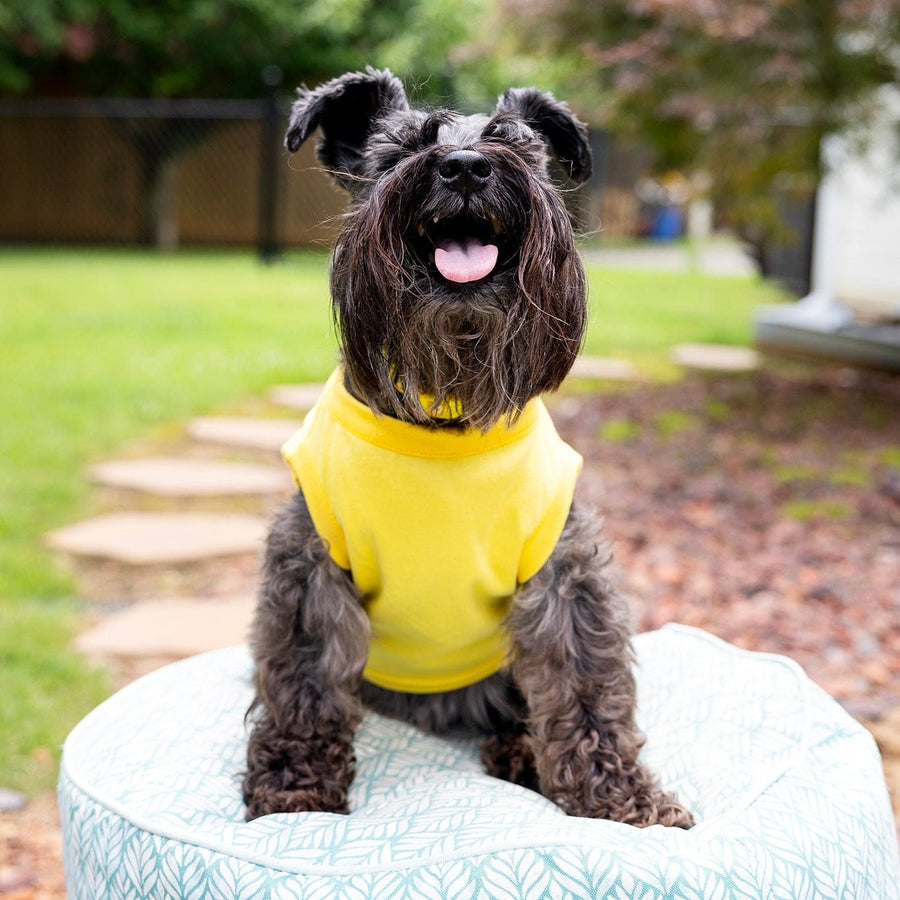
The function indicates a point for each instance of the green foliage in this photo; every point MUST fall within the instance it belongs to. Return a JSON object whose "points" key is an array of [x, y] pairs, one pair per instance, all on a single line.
{"points": [[218, 48], [741, 90]]}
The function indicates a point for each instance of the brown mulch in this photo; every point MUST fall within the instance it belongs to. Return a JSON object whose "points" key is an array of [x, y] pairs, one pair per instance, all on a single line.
{"points": [[764, 508], [31, 852]]}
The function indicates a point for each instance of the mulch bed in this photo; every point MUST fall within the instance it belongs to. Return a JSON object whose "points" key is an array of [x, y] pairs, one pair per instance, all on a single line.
{"points": [[764, 508]]}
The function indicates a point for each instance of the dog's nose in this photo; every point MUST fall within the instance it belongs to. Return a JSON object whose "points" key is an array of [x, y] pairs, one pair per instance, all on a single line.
{"points": [[465, 171]]}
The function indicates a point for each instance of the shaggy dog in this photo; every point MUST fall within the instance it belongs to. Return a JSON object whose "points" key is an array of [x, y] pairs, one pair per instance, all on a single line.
{"points": [[432, 566]]}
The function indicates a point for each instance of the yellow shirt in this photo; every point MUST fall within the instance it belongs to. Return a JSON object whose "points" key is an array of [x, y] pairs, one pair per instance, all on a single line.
{"points": [[437, 528]]}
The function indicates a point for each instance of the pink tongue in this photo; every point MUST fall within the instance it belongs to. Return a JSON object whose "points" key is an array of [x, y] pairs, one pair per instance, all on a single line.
{"points": [[465, 260]]}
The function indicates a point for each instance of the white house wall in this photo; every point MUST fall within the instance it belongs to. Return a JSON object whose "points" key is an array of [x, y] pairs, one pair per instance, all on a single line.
{"points": [[856, 256]]}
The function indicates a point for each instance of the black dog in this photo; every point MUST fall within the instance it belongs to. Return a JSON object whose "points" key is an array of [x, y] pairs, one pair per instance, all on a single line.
{"points": [[433, 566]]}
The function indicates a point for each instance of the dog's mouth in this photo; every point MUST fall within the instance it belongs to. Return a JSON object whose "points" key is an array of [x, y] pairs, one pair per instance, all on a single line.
{"points": [[465, 249]]}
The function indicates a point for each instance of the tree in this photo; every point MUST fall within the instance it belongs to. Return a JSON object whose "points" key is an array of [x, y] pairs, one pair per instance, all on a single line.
{"points": [[743, 90], [217, 48]]}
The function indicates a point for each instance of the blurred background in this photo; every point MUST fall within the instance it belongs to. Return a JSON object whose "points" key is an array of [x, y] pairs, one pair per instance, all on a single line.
{"points": [[160, 124], [163, 265]]}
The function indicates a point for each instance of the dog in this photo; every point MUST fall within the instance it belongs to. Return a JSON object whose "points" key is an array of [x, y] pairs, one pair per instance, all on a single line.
{"points": [[433, 566]]}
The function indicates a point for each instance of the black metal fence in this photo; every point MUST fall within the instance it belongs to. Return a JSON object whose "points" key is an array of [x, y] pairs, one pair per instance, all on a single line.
{"points": [[211, 172], [159, 173]]}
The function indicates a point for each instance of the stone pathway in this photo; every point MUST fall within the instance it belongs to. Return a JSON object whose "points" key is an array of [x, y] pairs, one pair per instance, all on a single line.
{"points": [[171, 567], [179, 578]]}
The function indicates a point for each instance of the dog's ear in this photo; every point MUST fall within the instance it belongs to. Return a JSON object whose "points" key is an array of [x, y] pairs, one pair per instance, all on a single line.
{"points": [[556, 122], [346, 110]]}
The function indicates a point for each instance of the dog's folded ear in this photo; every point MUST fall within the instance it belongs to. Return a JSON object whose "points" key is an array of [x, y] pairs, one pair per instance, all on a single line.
{"points": [[345, 109], [567, 136]]}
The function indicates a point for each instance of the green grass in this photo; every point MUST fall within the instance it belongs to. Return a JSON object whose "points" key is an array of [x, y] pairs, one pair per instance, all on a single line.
{"points": [[639, 315], [102, 348]]}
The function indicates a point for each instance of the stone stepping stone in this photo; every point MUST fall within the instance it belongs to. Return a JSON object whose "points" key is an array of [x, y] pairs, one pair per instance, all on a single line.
{"points": [[150, 538], [715, 357], [170, 628], [605, 368], [301, 397], [243, 433], [177, 477]]}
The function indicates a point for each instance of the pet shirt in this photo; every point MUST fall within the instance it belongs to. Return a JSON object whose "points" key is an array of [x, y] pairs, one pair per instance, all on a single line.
{"points": [[437, 527]]}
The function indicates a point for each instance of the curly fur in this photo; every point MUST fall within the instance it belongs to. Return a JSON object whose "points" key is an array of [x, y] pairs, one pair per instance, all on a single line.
{"points": [[560, 717], [309, 641], [477, 347]]}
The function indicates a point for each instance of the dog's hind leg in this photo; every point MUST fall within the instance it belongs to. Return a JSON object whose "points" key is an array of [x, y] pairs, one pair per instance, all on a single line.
{"points": [[309, 641], [571, 657]]}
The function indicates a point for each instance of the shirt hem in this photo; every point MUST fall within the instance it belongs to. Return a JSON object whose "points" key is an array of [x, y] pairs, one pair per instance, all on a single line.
{"points": [[431, 685]]}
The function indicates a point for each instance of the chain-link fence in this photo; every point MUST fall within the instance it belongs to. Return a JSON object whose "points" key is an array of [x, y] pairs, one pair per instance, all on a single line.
{"points": [[159, 173]]}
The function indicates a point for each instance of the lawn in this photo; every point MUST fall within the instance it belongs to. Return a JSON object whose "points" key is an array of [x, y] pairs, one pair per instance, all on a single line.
{"points": [[104, 347]]}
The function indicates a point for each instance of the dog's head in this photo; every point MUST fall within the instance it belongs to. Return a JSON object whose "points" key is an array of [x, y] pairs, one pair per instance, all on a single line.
{"points": [[455, 280]]}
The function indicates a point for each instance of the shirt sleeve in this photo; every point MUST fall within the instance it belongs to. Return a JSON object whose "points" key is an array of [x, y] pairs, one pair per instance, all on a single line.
{"points": [[562, 469]]}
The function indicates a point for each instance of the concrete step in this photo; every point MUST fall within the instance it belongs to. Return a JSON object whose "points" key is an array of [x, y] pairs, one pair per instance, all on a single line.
{"points": [[169, 628], [130, 556], [301, 397], [715, 357], [139, 538], [605, 368], [243, 433], [169, 476]]}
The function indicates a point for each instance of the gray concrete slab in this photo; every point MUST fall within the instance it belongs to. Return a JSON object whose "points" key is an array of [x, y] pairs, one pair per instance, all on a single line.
{"points": [[605, 368], [170, 628], [179, 477], [715, 357], [301, 397], [146, 538], [243, 433]]}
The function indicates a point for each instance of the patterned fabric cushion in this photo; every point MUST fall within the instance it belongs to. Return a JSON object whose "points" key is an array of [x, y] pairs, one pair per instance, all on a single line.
{"points": [[787, 788]]}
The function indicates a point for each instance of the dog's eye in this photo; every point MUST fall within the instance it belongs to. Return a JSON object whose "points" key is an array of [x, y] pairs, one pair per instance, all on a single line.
{"points": [[414, 136], [431, 127], [508, 129]]}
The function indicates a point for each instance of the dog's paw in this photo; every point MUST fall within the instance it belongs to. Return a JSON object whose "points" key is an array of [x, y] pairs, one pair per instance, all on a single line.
{"points": [[263, 802], [670, 813], [653, 807]]}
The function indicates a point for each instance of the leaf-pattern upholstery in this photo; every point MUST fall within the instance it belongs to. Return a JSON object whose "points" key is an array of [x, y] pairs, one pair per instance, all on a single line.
{"points": [[787, 789]]}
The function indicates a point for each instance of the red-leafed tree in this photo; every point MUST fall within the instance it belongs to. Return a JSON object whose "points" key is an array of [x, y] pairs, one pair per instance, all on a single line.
{"points": [[744, 90]]}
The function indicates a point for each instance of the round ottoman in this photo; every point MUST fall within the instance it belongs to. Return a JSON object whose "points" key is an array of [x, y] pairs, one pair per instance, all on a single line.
{"points": [[787, 789]]}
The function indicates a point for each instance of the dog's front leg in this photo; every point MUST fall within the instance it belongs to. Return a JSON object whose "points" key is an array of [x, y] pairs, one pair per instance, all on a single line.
{"points": [[309, 641], [571, 657]]}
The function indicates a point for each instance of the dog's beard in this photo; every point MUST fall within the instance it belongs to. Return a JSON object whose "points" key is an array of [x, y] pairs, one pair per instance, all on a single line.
{"points": [[416, 345], [454, 361]]}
